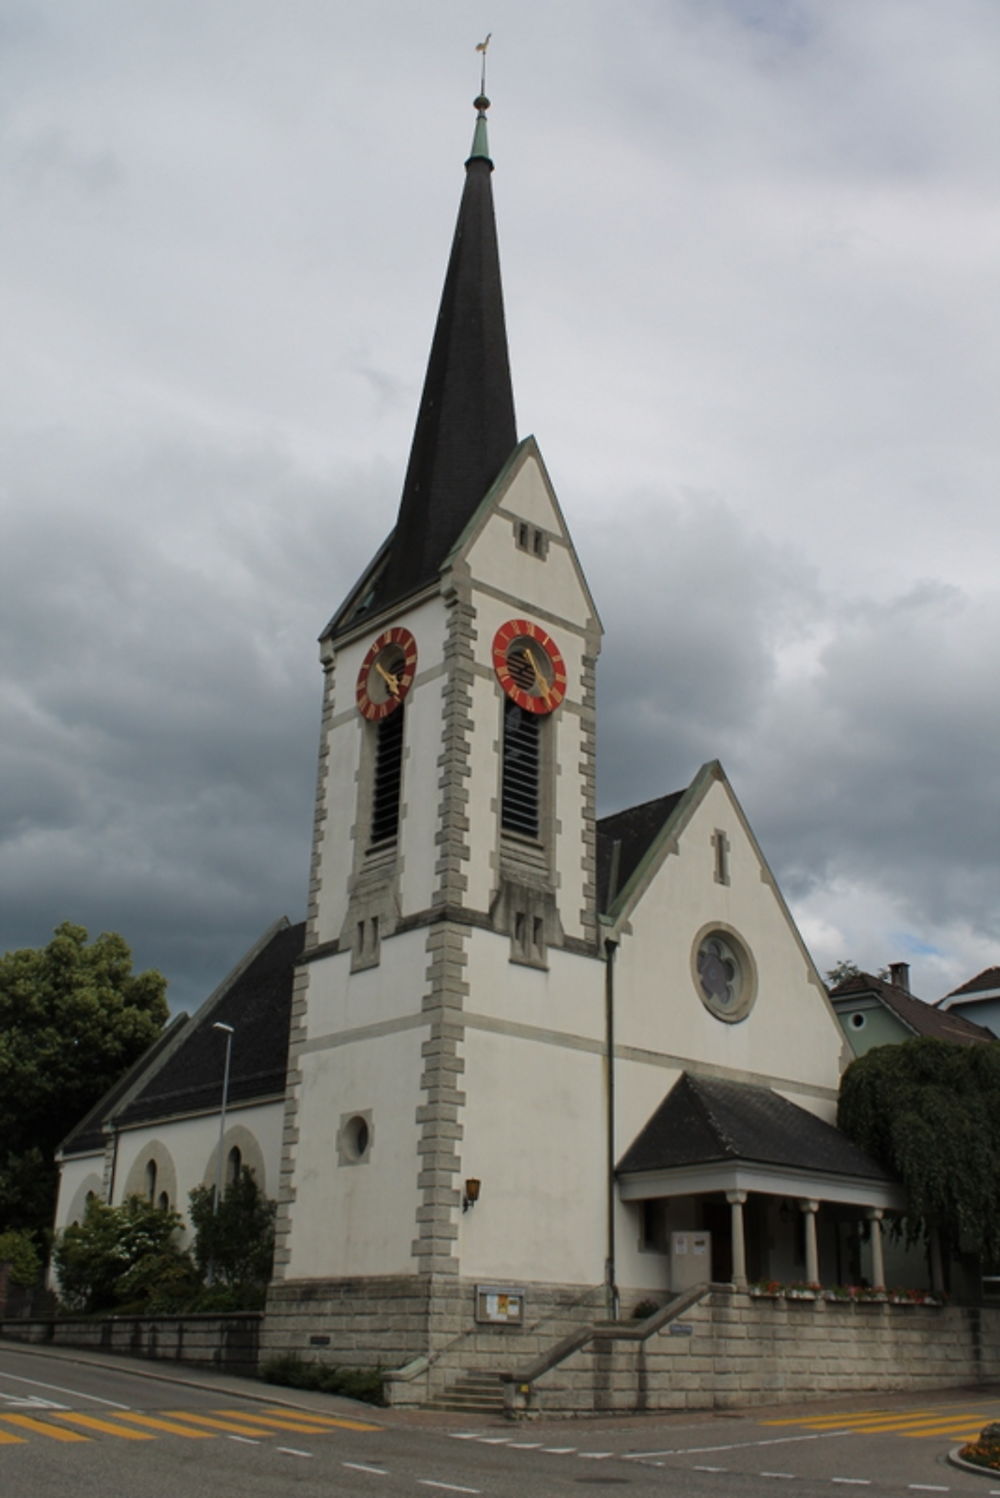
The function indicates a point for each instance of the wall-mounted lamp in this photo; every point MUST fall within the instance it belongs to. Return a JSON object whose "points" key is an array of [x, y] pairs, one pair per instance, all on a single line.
{"points": [[471, 1194]]}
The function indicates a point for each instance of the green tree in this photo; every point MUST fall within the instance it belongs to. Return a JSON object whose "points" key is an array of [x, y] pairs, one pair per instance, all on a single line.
{"points": [[120, 1256], [73, 1018], [18, 1250], [236, 1243], [929, 1112]]}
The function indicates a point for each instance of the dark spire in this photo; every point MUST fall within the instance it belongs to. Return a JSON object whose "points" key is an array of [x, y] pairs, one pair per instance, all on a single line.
{"points": [[465, 428]]}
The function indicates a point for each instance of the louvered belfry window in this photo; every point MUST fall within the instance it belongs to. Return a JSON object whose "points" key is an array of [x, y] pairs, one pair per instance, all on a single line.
{"points": [[519, 782], [388, 777]]}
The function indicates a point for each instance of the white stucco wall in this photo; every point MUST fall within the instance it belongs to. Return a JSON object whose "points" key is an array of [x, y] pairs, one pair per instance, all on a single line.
{"points": [[357, 1218]]}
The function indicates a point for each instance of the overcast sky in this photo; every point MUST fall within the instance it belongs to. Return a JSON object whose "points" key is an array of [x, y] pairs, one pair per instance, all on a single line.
{"points": [[751, 259]]}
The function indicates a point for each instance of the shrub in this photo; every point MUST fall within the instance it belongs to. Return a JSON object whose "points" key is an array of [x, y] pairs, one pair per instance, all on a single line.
{"points": [[118, 1256], [234, 1243], [353, 1383]]}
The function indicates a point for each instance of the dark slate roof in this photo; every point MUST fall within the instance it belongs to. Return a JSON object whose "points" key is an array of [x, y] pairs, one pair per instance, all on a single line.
{"points": [[88, 1135], [983, 982], [703, 1121], [635, 829], [921, 1018], [257, 1003], [465, 429]]}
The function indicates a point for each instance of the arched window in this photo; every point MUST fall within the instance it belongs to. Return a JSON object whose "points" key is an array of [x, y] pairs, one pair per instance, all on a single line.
{"points": [[150, 1180], [164, 1202], [234, 1165]]}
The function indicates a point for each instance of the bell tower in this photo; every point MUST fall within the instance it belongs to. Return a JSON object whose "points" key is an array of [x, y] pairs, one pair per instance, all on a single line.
{"points": [[453, 895]]}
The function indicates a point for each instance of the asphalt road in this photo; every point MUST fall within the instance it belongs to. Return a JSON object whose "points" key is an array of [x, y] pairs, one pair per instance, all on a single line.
{"points": [[87, 1425]]}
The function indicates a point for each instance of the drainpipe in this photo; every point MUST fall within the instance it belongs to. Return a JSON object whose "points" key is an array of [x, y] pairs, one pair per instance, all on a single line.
{"points": [[610, 947]]}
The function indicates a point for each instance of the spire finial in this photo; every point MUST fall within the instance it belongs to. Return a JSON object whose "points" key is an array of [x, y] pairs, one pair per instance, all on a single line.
{"points": [[482, 48], [480, 142]]}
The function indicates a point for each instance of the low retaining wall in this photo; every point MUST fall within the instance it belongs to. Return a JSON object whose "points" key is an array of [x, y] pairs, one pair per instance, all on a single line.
{"points": [[729, 1350], [228, 1343]]}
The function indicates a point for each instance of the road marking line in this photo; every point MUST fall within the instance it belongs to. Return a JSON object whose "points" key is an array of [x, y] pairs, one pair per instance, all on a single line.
{"points": [[449, 1487], [213, 1424], [244, 1440], [525, 1445], [853, 1482], [926, 1487], [106, 1427], [699, 1469], [271, 1423], [595, 1456], [172, 1427], [54, 1432], [8, 1439], [465, 1435], [361, 1467], [558, 1450], [335, 1422], [639, 1456], [291, 1451], [778, 1474], [58, 1389], [494, 1440]]}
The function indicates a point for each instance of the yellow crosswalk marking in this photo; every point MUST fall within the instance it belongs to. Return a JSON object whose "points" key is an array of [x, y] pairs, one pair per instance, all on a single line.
{"points": [[39, 1427], [938, 1421], [106, 1427], [317, 1422], [172, 1427], [8, 1439], [270, 1423], [231, 1427]]}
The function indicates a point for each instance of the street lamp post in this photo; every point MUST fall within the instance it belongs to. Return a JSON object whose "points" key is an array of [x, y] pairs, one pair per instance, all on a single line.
{"points": [[228, 1032]]}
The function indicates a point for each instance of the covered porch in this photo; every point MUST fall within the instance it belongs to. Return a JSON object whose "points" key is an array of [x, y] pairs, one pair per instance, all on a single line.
{"points": [[732, 1183]]}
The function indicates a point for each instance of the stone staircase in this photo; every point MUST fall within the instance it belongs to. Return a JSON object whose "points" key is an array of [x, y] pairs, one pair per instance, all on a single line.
{"points": [[471, 1394]]}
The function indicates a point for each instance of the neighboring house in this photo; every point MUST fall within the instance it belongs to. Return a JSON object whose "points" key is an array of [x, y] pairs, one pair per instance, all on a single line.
{"points": [[977, 1000], [882, 1011]]}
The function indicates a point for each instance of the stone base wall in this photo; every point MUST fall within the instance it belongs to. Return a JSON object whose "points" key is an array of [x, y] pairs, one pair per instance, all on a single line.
{"points": [[228, 1343], [729, 1351], [426, 1321]]}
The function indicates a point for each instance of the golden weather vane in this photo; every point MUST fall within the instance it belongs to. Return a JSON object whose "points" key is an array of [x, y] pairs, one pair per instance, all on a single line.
{"points": [[481, 47]]}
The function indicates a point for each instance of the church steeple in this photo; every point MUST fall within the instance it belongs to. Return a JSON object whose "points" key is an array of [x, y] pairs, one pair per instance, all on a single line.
{"points": [[465, 429]]}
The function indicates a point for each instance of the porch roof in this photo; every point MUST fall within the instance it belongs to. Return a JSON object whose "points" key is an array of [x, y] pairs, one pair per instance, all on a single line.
{"points": [[710, 1134]]}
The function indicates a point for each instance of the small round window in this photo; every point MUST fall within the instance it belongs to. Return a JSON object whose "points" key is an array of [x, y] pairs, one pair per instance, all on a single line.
{"points": [[724, 974], [858, 1021]]}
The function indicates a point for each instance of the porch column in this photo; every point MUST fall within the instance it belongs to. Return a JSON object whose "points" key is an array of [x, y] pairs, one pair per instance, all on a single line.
{"points": [[878, 1258], [736, 1200], [809, 1210]]}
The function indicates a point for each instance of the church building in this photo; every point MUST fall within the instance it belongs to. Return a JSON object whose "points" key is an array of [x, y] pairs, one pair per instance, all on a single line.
{"points": [[541, 1066]]}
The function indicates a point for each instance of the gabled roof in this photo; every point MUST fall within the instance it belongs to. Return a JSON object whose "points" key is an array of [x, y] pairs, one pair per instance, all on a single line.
{"points": [[703, 1120], [633, 831], [984, 985], [465, 429], [912, 1013], [88, 1135], [256, 1000]]}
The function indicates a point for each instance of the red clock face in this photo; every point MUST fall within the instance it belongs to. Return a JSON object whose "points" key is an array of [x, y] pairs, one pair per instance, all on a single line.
{"points": [[386, 674], [529, 666]]}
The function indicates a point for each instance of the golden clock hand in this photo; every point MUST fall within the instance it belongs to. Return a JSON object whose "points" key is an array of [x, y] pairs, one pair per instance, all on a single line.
{"points": [[391, 681], [540, 681]]}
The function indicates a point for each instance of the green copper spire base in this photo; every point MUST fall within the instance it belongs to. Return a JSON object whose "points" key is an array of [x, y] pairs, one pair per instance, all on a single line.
{"points": [[480, 141]]}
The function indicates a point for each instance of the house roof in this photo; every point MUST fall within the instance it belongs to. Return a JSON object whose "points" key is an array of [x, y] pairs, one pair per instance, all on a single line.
{"points": [[986, 983], [465, 429], [634, 830], [913, 1013], [703, 1120]]}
